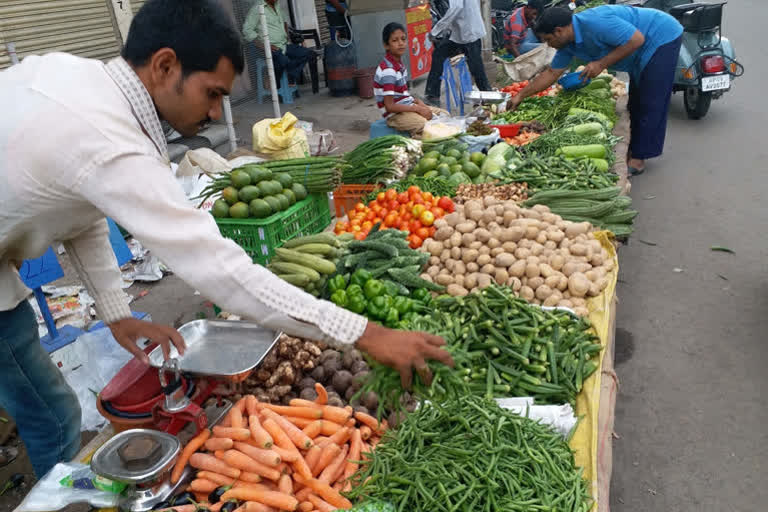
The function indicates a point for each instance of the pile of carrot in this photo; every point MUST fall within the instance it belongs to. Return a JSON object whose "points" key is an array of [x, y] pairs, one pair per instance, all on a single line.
{"points": [[295, 457], [522, 139]]}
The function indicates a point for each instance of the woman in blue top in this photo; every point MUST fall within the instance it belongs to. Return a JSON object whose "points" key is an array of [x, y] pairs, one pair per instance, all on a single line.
{"points": [[643, 42]]}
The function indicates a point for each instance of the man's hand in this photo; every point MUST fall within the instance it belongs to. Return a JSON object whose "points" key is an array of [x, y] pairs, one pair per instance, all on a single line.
{"points": [[274, 48], [424, 111], [129, 330], [592, 70], [514, 102], [404, 351]]}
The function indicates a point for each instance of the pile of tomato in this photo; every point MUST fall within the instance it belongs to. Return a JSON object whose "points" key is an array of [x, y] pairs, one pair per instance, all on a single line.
{"points": [[516, 87], [413, 211]]}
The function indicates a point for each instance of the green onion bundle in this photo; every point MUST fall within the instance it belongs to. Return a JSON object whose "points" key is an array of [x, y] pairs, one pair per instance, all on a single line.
{"points": [[318, 174], [379, 160]]}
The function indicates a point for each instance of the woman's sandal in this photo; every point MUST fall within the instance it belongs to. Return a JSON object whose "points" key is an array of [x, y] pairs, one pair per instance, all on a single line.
{"points": [[634, 171]]}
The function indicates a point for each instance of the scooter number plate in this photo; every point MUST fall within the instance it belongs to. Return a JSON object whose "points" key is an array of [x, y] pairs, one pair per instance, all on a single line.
{"points": [[715, 83]]}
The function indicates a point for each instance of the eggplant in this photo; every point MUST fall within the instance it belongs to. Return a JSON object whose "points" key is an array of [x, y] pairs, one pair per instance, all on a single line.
{"points": [[185, 498], [229, 506], [216, 494]]}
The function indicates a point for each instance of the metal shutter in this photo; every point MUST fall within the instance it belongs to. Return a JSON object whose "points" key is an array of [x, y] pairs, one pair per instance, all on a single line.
{"points": [[136, 5], [81, 27], [322, 21]]}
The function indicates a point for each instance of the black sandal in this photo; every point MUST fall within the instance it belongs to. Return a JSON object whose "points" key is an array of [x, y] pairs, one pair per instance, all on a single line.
{"points": [[634, 171], [7, 455]]}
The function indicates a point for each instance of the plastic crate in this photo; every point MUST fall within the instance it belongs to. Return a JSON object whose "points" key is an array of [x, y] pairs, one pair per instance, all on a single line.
{"points": [[346, 196], [260, 237]]}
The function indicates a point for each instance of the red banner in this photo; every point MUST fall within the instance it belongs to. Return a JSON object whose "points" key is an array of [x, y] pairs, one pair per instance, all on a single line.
{"points": [[418, 23]]}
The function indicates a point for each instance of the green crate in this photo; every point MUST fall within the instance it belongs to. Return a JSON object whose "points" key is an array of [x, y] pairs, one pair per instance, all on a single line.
{"points": [[260, 237]]}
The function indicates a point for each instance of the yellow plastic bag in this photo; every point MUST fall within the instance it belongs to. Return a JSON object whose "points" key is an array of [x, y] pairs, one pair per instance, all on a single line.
{"points": [[280, 138]]}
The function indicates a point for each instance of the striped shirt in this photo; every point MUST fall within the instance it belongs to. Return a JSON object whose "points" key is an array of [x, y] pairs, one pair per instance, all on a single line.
{"points": [[391, 80], [514, 28]]}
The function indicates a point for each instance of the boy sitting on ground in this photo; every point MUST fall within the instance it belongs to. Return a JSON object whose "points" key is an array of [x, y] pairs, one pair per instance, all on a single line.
{"points": [[402, 111]]}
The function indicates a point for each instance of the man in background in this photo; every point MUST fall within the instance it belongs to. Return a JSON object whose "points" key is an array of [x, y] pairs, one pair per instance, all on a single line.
{"points": [[518, 33], [460, 30]]}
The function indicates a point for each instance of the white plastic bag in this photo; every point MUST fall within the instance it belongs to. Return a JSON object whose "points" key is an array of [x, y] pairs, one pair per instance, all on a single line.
{"points": [[559, 417], [528, 64], [443, 126], [49, 494], [480, 142]]}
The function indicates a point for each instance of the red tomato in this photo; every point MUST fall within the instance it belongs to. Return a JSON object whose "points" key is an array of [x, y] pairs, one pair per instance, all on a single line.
{"points": [[432, 230], [393, 205], [391, 194], [437, 212], [418, 210], [422, 233], [418, 200], [415, 242], [427, 218], [376, 208], [414, 225], [342, 226], [355, 222], [398, 224], [446, 204], [370, 215], [359, 207], [413, 189], [390, 220], [406, 217], [360, 235], [380, 196], [427, 196], [355, 229], [402, 198]]}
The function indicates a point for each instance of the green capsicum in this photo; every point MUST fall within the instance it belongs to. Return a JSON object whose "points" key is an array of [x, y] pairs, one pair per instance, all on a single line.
{"points": [[339, 297], [356, 303], [337, 283], [422, 295], [392, 319], [402, 304], [373, 288], [378, 308], [355, 289], [360, 277]]}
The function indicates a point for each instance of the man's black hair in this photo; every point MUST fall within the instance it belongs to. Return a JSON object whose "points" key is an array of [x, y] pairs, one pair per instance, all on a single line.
{"points": [[199, 31], [390, 29], [539, 5], [553, 18]]}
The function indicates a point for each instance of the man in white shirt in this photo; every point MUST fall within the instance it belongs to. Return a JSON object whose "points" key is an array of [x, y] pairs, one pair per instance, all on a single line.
{"points": [[460, 30], [81, 140]]}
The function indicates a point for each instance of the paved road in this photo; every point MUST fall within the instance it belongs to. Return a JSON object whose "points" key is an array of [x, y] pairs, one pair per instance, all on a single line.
{"points": [[692, 347]]}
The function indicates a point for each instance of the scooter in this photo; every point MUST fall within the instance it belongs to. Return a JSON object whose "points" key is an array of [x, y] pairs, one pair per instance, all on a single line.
{"points": [[707, 63]]}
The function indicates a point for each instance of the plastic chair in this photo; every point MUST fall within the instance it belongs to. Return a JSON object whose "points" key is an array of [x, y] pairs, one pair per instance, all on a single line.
{"points": [[380, 129], [285, 91]]}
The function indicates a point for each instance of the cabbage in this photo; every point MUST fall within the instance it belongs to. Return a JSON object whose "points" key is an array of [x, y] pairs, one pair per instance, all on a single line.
{"points": [[493, 163], [499, 149]]}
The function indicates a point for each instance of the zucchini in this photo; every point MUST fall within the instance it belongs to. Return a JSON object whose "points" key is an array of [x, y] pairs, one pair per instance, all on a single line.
{"points": [[317, 248], [588, 150], [317, 263], [284, 267], [586, 129], [576, 111], [300, 280], [320, 238]]}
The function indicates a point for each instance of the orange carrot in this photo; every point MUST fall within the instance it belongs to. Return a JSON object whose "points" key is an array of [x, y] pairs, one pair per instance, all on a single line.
{"points": [[313, 455], [284, 468], [209, 463], [236, 418], [320, 504], [281, 439], [373, 442], [251, 406], [306, 506], [268, 457], [181, 508], [330, 428], [338, 486], [225, 422], [328, 474], [272, 498], [243, 462], [336, 414], [202, 485], [297, 412], [301, 467], [260, 436], [299, 438], [300, 422], [252, 478], [255, 506], [350, 422], [325, 491], [219, 454], [367, 420], [240, 405], [355, 446], [340, 437], [251, 485], [329, 453], [218, 443], [303, 494], [285, 485], [300, 402], [286, 455], [321, 440], [365, 432], [313, 429], [236, 434], [322, 394], [215, 477], [193, 445]]}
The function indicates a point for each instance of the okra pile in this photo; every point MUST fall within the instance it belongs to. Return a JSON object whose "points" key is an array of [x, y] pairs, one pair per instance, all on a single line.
{"points": [[469, 454]]}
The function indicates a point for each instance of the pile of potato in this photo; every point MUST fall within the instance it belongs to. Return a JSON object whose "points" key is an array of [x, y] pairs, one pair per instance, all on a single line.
{"points": [[545, 259]]}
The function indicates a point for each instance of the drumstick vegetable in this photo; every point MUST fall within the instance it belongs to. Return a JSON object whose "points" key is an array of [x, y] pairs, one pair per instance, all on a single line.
{"points": [[192, 446]]}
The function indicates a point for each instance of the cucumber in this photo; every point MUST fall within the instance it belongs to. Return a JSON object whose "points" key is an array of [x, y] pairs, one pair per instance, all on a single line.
{"points": [[586, 129], [284, 267], [320, 238], [300, 280], [316, 248], [588, 150], [308, 260]]}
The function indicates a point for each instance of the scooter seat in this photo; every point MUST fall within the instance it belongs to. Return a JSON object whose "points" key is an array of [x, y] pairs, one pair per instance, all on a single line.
{"points": [[698, 16]]}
